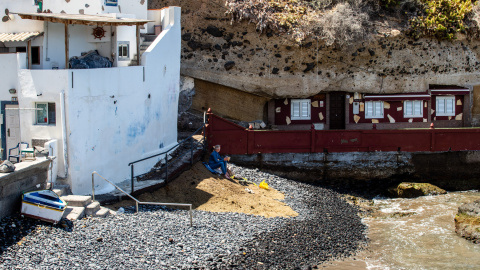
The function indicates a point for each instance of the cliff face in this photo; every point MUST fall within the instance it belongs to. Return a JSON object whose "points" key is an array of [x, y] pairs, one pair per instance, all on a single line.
{"points": [[271, 65]]}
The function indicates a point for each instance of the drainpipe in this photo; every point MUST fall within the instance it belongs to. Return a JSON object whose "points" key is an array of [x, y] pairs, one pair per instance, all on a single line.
{"points": [[64, 132]]}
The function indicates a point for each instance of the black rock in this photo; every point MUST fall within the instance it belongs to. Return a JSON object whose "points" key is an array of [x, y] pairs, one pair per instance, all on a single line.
{"points": [[186, 36], [229, 65], [214, 31]]}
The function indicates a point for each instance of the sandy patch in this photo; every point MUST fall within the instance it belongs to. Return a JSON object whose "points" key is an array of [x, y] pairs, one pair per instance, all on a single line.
{"points": [[212, 193]]}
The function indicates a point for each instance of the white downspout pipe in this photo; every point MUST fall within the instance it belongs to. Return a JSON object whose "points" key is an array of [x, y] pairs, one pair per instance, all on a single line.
{"points": [[64, 132]]}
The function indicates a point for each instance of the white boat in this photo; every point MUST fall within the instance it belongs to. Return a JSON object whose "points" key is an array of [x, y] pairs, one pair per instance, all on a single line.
{"points": [[43, 204]]}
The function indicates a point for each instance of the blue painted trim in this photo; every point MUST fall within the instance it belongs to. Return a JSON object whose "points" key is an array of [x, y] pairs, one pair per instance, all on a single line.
{"points": [[4, 127], [112, 3]]}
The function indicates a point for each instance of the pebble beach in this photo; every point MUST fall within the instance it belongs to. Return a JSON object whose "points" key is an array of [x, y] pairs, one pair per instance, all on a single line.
{"points": [[326, 228]]}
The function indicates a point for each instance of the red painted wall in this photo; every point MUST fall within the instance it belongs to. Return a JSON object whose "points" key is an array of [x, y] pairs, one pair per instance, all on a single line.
{"points": [[237, 140], [280, 118], [458, 109]]}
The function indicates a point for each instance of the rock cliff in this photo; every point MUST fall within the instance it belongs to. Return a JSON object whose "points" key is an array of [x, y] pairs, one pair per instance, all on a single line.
{"points": [[271, 64]]}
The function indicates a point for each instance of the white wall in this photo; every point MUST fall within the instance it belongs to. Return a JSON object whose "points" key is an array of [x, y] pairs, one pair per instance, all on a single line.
{"points": [[126, 33], [113, 115], [19, 25], [42, 86], [54, 48], [92, 7], [8, 74]]}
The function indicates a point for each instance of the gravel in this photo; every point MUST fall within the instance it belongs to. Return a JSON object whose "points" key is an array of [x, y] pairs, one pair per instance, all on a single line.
{"points": [[327, 227]]}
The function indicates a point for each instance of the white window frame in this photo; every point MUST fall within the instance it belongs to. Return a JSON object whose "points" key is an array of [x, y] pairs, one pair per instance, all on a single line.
{"points": [[120, 56], [444, 100], [375, 114], [304, 112], [410, 112], [48, 117]]}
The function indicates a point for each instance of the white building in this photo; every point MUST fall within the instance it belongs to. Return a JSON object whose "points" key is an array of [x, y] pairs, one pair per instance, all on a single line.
{"points": [[101, 118]]}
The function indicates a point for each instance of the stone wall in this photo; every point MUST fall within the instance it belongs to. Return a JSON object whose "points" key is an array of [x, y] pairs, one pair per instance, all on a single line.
{"points": [[28, 176], [228, 102], [373, 170]]}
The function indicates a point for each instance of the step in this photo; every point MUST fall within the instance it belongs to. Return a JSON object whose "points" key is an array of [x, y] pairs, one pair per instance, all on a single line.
{"points": [[103, 212], [61, 190], [74, 213], [77, 200], [92, 208]]}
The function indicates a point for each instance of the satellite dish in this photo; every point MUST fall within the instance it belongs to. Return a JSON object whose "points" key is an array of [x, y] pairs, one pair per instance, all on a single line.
{"points": [[11, 17], [6, 11], [5, 19]]}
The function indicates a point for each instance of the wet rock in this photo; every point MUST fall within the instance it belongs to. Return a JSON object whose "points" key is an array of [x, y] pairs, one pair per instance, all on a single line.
{"points": [[214, 31], [467, 221], [229, 65], [413, 190]]}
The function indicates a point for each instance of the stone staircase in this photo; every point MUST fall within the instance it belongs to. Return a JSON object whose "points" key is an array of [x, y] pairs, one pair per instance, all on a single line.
{"points": [[79, 206], [147, 40]]}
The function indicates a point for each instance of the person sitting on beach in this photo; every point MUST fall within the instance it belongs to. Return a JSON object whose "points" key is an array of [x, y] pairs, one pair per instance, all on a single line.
{"points": [[217, 161]]}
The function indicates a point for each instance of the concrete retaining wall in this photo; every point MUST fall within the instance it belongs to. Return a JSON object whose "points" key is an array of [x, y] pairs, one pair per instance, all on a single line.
{"points": [[458, 170], [28, 176]]}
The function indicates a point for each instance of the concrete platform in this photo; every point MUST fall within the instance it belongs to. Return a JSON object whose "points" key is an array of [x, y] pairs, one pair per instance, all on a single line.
{"points": [[77, 200], [74, 213]]}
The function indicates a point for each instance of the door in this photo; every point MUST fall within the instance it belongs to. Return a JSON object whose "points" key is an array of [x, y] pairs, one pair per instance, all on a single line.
{"points": [[12, 127], [337, 110]]}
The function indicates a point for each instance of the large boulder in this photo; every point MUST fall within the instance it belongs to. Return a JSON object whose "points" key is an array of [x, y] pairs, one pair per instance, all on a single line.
{"points": [[413, 190], [467, 221]]}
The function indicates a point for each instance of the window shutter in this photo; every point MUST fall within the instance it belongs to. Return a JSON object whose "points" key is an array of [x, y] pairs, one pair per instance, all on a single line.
{"points": [[449, 105], [296, 109], [378, 108], [304, 109], [408, 108], [417, 108]]}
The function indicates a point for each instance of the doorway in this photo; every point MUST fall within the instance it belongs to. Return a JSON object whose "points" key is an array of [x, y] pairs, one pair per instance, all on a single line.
{"points": [[337, 110], [12, 127]]}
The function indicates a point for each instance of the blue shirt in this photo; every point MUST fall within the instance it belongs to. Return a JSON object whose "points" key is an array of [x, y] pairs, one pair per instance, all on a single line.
{"points": [[214, 158]]}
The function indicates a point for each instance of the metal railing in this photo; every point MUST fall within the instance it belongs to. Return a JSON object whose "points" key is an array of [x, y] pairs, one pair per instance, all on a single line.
{"points": [[189, 140], [137, 202]]}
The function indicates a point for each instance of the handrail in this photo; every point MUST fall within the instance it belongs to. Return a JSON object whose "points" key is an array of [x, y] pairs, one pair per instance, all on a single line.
{"points": [[137, 202], [156, 155], [189, 138]]}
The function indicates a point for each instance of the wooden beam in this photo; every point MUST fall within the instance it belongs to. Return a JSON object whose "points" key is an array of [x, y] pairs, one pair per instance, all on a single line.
{"points": [[29, 53], [138, 45], [66, 46]]}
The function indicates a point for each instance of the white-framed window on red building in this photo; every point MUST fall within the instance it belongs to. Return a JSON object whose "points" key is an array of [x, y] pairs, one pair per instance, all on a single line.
{"points": [[373, 109], [300, 109], [412, 108], [445, 106]]}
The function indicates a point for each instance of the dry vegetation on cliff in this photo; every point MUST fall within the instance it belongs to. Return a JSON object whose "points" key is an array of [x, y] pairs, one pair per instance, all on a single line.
{"points": [[340, 22]]}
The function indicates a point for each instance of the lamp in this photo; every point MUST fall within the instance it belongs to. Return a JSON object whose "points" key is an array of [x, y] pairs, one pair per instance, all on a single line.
{"points": [[12, 91]]}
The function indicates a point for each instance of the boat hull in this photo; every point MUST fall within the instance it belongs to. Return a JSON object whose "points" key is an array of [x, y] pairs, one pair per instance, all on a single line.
{"points": [[44, 205]]}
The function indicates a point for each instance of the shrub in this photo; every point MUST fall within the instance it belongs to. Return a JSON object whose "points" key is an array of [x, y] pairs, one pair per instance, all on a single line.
{"points": [[442, 19]]}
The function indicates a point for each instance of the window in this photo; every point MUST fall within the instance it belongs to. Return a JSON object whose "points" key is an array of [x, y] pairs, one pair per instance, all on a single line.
{"points": [[413, 108], [445, 106], [112, 3], [45, 113], [373, 109], [123, 50], [300, 109]]}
